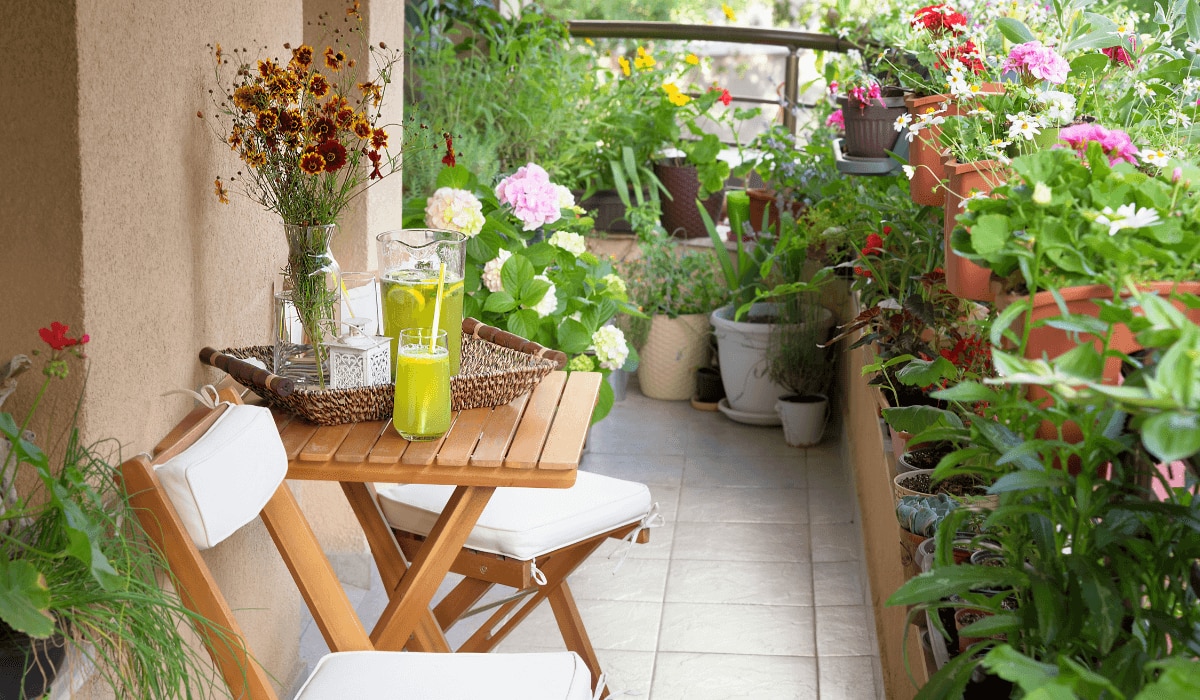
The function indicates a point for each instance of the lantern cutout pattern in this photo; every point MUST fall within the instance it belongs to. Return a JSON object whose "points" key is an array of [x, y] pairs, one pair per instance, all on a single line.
{"points": [[357, 359]]}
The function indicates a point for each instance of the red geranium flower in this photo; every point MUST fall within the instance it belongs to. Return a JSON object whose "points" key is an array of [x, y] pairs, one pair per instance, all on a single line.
{"points": [[939, 19], [56, 337], [874, 244], [862, 271], [725, 97]]}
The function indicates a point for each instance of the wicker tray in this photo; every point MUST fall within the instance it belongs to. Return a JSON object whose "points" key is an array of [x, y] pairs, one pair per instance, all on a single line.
{"points": [[496, 368]]}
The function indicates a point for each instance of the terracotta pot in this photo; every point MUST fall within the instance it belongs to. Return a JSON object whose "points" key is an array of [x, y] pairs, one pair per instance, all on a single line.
{"points": [[908, 552], [1052, 342], [763, 204], [925, 151], [960, 622], [679, 214], [963, 277], [870, 130], [900, 440]]}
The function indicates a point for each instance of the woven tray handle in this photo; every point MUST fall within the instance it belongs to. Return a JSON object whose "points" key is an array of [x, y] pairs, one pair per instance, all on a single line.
{"points": [[491, 334], [247, 373]]}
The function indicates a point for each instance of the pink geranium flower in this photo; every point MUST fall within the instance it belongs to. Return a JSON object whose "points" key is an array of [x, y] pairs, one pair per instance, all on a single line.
{"points": [[836, 119], [1035, 62], [1116, 143], [533, 198]]}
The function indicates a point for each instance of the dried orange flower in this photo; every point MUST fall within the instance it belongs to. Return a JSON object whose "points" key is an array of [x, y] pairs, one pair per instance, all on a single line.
{"points": [[221, 192]]}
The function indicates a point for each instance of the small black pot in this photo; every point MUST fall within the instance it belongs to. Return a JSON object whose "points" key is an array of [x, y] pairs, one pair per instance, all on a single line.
{"points": [[709, 388], [28, 666]]}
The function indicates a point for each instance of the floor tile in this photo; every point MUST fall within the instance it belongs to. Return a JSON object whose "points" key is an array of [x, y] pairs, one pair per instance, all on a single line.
{"points": [[741, 542], [846, 678], [714, 435], [745, 583], [828, 505], [838, 583], [638, 579], [681, 676], [737, 629], [746, 470], [538, 632], [659, 547], [845, 630], [744, 505], [650, 469], [667, 498], [627, 671], [836, 542], [628, 432]]}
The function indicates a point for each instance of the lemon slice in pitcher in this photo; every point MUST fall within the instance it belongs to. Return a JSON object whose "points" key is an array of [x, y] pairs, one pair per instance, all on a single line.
{"points": [[399, 293]]}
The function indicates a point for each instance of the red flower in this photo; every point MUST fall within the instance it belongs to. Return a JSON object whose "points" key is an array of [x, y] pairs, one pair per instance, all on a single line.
{"points": [[1118, 55], [874, 244], [374, 157], [725, 97], [967, 54], [887, 230], [939, 19], [448, 159], [334, 154], [862, 271], [56, 337]]}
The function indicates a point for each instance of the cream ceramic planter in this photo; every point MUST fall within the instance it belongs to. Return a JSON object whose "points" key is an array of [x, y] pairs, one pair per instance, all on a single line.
{"points": [[675, 348]]}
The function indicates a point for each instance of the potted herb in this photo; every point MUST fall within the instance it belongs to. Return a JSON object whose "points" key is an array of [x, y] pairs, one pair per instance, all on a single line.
{"points": [[799, 361], [78, 571], [676, 288]]}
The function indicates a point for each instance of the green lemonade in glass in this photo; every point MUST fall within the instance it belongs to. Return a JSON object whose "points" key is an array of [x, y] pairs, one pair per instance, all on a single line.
{"points": [[409, 298], [422, 408]]}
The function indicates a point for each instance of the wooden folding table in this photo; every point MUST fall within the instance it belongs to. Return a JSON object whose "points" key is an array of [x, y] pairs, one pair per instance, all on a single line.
{"points": [[534, 441]]}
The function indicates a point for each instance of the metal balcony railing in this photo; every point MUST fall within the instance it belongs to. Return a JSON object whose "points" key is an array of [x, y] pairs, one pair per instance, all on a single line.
{"points": [[792, 40]]}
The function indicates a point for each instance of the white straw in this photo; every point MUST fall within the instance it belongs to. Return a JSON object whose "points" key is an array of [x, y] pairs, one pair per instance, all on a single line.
{"points": [[437, 308]]}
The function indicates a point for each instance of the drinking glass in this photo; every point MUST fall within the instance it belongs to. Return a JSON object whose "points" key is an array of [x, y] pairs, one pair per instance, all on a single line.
{"points": [[411, 260], [422, 407]]}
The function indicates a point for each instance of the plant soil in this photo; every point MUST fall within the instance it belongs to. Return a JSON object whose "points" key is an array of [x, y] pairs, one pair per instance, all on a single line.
{"points": [[927, 457], [961, 485]]}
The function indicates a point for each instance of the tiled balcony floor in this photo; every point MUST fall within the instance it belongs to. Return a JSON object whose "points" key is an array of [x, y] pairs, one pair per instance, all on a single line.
{"points": [[753, 588]]}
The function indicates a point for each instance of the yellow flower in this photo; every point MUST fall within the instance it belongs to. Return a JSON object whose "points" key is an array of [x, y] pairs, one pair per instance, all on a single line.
{"points": [[729, 14], [220, 191], [692, 59], [589, 42], [676, 97], [624, 65], [644, 60]]}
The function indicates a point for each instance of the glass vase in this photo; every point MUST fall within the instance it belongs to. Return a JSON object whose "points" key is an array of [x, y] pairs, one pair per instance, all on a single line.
{"points": [[306, 309]]}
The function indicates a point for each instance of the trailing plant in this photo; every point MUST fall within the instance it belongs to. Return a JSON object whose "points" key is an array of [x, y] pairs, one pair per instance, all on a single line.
{"points": [[74, 560]]}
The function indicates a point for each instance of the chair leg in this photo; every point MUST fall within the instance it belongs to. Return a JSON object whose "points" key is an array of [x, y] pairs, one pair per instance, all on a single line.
{"points": [[570, 624], [459, 600]]}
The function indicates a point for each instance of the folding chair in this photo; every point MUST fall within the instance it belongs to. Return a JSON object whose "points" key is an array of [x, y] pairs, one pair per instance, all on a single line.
{"points": [[528, 539], [207, 481]]}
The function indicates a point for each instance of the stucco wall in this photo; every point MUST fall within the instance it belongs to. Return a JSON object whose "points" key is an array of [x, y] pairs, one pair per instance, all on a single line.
{"points": [[109, 224]]}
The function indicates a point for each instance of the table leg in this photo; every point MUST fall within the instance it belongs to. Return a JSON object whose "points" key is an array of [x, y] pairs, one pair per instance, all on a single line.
{"points": [[428, 635], [410, 600]]}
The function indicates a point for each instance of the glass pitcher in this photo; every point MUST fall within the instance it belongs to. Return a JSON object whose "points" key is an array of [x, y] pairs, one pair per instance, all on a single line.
{"points": [[410, 259]]}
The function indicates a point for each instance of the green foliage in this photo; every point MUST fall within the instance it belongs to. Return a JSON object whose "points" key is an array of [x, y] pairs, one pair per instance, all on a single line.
{"points": [[496, 83], [921, 515], [671, 280], [1076, 231], [796, 356]]}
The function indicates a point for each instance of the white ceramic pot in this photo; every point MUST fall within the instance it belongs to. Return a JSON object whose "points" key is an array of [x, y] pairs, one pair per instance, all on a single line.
{"points": [[803, 418], [742, 350], [674, 349]]}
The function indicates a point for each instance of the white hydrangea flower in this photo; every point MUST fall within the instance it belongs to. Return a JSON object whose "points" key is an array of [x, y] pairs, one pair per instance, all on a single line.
{"points": [[1060, 107], [610, 346], [549, 303], [566, 200], [573, 243], [455, 210], [491, 271], [614, 284]]}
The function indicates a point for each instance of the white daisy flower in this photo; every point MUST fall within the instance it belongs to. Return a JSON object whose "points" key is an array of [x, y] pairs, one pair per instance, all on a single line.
{"points": [[975, 194], [1023, 127], [1155, 157], [902, 122], [1126, 216], [1193, 46], [1142, 90], [909, 171], [1178, 118]]}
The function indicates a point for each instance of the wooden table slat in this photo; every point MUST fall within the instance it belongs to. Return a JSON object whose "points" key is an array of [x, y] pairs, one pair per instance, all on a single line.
{"points": [[535, 425], [498, 433], [295, 436], [460, 441], [389, 447], [423, 453], [565, 442], [324, 443], [359, 442], [281, 419]]}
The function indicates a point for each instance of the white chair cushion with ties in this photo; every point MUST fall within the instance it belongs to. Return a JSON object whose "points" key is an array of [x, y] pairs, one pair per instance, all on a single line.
{"points": [[375, 675], [524, 523], [223, 480]]}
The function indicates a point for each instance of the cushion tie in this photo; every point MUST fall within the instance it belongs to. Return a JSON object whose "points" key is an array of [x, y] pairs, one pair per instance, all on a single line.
{"points": [[207, 396], [538, 577], [653, 519]]}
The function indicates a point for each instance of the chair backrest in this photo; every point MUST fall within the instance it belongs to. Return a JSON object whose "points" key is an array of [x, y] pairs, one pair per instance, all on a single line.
{"points": [[198, 590]]}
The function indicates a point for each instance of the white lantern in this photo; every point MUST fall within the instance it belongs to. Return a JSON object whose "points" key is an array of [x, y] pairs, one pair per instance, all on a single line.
{"points": [[357, 359]]}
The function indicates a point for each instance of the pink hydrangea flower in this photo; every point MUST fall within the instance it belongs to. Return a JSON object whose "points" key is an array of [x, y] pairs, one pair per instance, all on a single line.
{"points": [[533, 198], [1037, 62], [836, 119], [1116, 143]]}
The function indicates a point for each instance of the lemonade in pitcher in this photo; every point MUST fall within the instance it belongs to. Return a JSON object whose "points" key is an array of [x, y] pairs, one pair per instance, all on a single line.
{"points": [[409, 298], [422, 408]]}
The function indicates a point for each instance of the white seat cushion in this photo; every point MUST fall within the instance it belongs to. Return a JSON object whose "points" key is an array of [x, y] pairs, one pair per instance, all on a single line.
{"points": [[524, 523], [380, 675], [223, 480]]}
